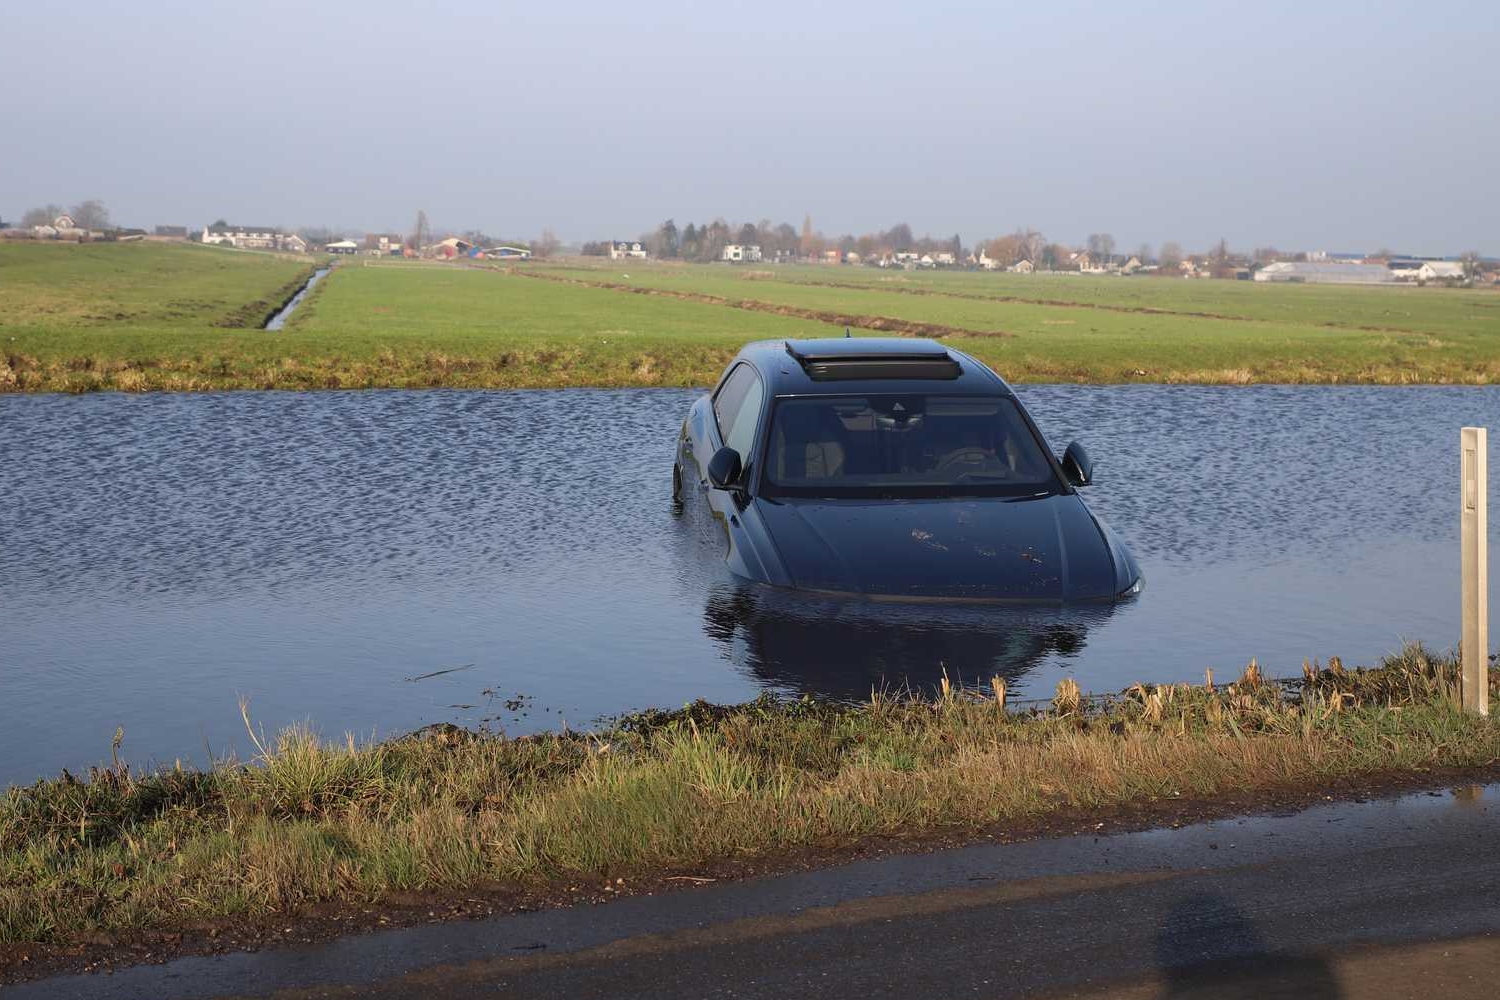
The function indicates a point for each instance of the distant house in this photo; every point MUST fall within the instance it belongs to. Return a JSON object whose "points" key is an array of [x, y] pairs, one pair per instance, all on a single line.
{"points": [[1128, 266], [851, 257], [621, 249], [741, 253], [62, 228], [383, 244], [1085, 262], [906, 258], [508, 253], [1022, 267], [1440, 270], [1404, 270], [294, 243], [944, 259], [831, 257], [245, 237], [342, 246], [170, 232], [1321, 273]]}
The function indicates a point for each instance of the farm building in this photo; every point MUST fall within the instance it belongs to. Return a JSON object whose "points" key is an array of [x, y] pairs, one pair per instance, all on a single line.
{"points": [[383, 244], [508, 253], [620, 249], [245, 237], [452, 247], [1440, 270], [739, 253], [1325, 273], [342, 246]]}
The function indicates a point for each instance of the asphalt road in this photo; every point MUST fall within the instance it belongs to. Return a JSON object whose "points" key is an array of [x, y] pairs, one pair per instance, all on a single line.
{"points": [[1390, 898]]}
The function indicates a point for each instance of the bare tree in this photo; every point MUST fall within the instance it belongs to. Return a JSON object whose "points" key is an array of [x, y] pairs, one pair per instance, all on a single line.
{"points": [[1143, 253], [1470, 261], [546, 245], [41, 216], [1171, 254], [1107, 247], [90, 214]]}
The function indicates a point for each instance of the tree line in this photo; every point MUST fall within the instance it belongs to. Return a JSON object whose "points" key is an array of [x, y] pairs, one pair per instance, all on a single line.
{"points": [[90, 214], [706, 241]]}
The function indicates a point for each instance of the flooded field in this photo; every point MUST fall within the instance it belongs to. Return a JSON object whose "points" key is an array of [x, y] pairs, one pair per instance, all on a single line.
{"points": [[378, 561]]}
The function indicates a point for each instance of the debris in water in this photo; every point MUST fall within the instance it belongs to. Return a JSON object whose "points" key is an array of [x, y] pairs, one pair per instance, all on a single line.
{"points": [[439, 673]]}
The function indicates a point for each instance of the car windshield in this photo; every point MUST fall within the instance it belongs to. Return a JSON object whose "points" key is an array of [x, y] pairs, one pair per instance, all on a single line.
{"points": [[904, 445]]}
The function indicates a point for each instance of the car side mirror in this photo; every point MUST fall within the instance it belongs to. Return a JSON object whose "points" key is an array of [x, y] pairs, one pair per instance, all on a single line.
{"points": [[1077, 466], [724, 469]]}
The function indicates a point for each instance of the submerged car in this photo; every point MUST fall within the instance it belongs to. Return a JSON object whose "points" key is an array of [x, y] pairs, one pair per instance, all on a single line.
{"points": [[888, 468]]}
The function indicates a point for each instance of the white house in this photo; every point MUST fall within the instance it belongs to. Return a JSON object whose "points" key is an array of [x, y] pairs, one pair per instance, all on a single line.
{"points": [[740, 253], [342, 246], [944, 259], [1440, 270], [1022, 267], [1131, 265], [254, 238], [906, 258], [621, 249]]}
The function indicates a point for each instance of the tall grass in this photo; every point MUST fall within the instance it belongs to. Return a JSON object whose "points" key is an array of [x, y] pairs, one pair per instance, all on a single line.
{"points": [[308, 821]]}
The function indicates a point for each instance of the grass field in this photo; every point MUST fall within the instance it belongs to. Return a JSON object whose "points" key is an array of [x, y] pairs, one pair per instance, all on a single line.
{"points": [[659, 794], [152, 316]]}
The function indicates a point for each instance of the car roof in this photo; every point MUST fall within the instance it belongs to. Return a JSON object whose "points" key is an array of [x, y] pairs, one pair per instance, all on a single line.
{"points": [[792, 367]]}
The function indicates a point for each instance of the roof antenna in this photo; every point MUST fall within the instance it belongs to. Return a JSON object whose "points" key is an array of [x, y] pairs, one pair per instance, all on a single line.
{"points": [[846, 333]]}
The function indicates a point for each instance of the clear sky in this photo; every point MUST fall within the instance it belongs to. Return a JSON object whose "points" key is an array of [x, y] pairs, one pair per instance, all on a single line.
{"points": [[1304, 125]]}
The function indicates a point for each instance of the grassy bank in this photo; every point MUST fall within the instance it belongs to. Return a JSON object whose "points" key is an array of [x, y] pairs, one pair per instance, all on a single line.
{"points": [[141, 317], [450, 811]]}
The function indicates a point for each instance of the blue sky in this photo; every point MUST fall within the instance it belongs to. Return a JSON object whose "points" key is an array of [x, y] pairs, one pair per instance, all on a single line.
{"points": [[1306, 126]]}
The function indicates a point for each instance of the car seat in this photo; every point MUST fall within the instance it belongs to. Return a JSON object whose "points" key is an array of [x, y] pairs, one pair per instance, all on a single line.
{"points": [[808, 443]]}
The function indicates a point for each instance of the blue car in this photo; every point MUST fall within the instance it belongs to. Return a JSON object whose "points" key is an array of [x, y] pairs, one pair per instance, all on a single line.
{"points": [[891, 469]]}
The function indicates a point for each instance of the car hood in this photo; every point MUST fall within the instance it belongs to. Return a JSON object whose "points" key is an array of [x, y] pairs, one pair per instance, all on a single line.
{"points": [[1027, 549]]}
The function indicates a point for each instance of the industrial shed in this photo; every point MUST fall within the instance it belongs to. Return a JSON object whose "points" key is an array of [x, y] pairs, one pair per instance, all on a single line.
{"points": [[1326, 273]]}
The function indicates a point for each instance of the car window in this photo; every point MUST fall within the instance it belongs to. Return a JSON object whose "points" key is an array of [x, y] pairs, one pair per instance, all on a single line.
{"points": [[730, 401], [904, 445], [742, 429]]}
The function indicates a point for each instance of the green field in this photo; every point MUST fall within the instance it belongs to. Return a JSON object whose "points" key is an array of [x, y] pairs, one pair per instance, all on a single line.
{"points": [[162, 316]]}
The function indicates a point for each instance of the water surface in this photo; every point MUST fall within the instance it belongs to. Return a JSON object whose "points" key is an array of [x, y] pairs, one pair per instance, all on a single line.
{"points": [[163, 555]]}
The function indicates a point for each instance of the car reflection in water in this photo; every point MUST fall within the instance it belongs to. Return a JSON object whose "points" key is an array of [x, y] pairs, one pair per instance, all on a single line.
{"points": [[845, 648]]}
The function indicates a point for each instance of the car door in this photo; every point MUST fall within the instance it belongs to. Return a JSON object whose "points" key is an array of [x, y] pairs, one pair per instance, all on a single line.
{"points": [[737, 408]]}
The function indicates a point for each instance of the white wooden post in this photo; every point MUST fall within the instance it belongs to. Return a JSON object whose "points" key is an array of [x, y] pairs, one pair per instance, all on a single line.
{"points": [[1475, 644]]}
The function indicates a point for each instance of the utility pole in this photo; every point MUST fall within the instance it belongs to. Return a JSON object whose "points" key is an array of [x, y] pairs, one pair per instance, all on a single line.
{"points": [[1474, 648]]}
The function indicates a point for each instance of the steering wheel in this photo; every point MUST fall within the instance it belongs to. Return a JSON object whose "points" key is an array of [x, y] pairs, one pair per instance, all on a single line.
{"points": [[973, 456]]}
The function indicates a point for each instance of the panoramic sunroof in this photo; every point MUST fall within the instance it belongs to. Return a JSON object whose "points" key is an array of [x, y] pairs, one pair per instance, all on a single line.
{"points": [[916, 362]]}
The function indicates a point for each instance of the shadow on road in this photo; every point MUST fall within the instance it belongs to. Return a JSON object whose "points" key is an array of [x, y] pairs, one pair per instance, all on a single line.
{"points": [[1207, 947]]}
